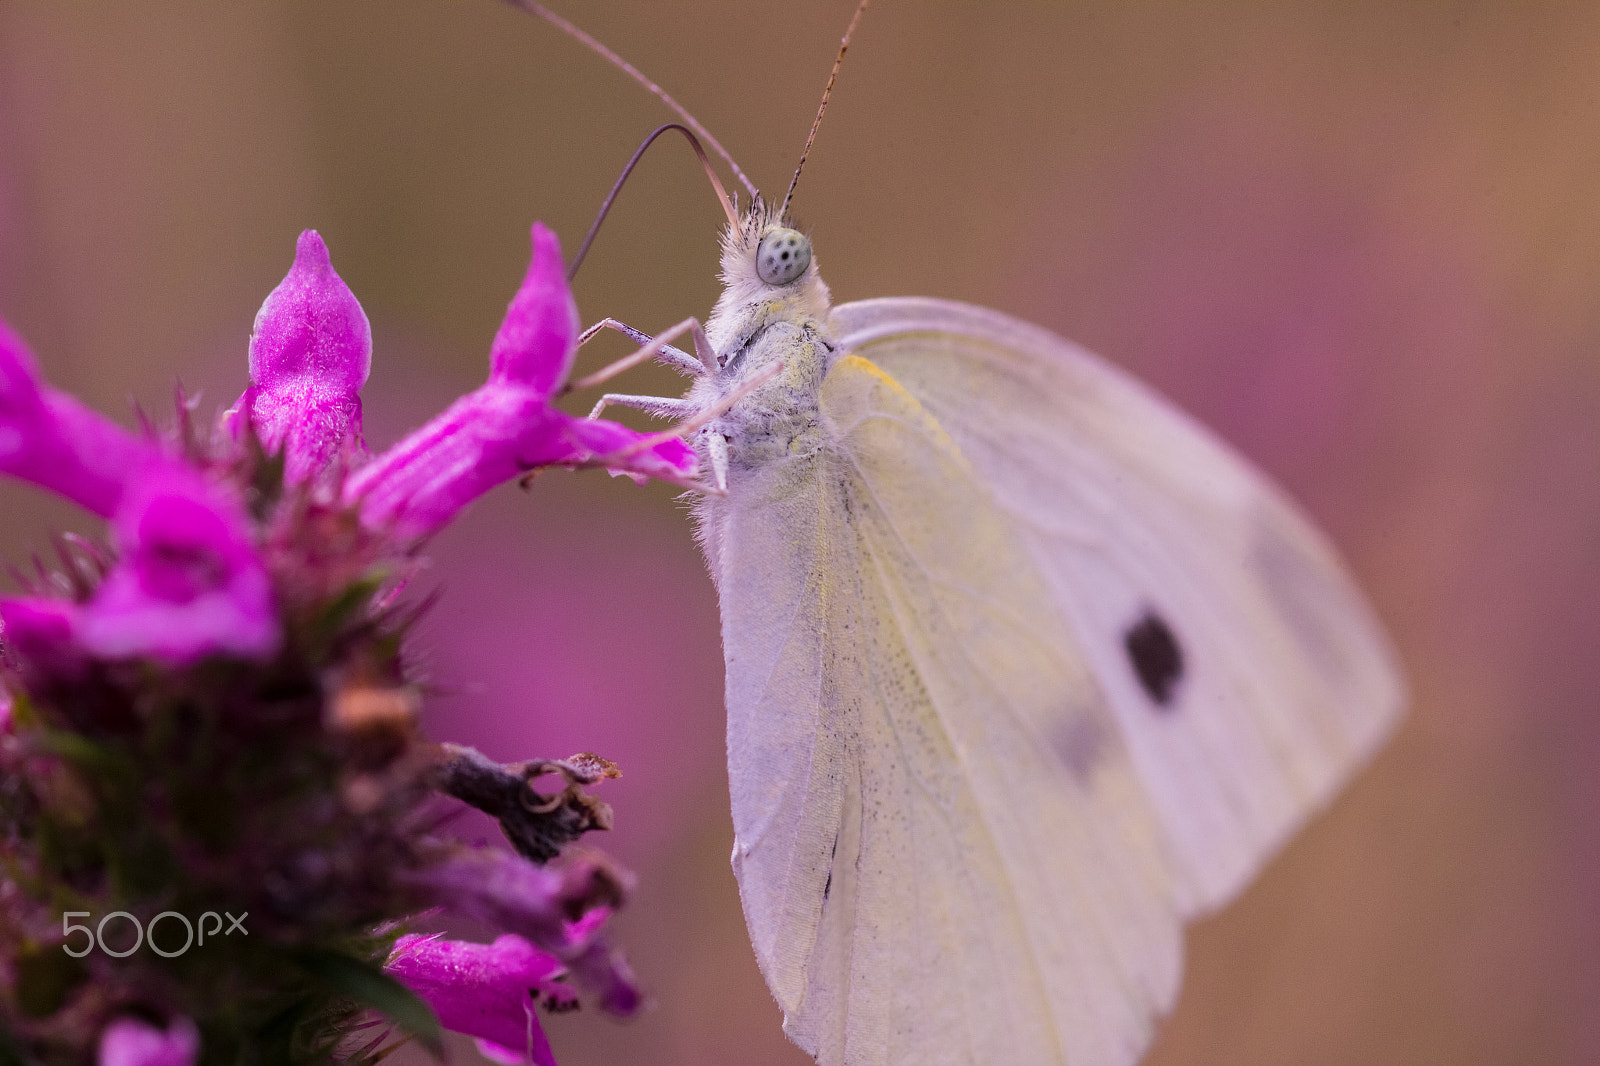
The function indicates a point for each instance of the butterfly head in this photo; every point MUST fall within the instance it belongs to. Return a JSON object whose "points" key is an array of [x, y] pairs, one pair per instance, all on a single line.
{"points": [[768, 258]]}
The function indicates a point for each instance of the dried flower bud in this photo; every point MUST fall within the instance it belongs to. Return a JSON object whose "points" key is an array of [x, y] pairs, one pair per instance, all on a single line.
{"points": [[366, 707], [537, 825]]}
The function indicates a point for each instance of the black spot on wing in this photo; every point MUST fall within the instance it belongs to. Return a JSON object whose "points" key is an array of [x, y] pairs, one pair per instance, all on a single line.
{"points": [[1156, 656]]}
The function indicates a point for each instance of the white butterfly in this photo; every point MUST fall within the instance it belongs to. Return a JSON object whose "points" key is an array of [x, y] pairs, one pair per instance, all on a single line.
{"points": [[1024, 668]]}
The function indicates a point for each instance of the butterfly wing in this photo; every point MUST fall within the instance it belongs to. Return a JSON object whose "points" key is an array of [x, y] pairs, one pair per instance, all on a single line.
{"points": [[944, 849], [1245, 670]]}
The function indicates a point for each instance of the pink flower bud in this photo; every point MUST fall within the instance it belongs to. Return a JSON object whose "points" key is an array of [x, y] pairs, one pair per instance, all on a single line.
{"points": [[310, 353]]}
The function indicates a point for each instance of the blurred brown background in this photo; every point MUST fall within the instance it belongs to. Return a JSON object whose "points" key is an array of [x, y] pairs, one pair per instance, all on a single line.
{"points": [[1361, 240]]}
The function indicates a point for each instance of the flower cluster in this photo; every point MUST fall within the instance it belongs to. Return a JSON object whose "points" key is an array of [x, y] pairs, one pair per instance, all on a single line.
{"points": [[212, 713]]}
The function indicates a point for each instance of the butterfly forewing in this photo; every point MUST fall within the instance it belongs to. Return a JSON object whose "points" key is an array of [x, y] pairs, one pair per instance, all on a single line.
{"points": [[945, 852], [1246, 672]]}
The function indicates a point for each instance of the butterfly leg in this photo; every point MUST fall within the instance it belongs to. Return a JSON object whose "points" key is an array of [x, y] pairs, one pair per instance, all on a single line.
{"points": [[653, 347], [717, 452], [660, 406], [699, 418]]}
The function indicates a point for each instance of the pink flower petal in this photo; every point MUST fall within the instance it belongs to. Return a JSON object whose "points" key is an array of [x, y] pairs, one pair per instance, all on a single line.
{"points": [[131, 1042], [599, 440], [538, 338], [426, 479], [310, 353], [52, 440], [43, 635]]}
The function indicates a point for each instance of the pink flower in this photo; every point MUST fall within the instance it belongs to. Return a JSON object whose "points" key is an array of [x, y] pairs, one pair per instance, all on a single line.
{"points": [[310, 353], [507, 427], [189, 581], [52, 440], [488, 991], [130, 1042]]}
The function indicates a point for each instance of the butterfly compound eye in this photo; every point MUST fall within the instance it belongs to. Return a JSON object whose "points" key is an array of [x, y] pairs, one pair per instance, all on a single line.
{"points": [[782, 256]]}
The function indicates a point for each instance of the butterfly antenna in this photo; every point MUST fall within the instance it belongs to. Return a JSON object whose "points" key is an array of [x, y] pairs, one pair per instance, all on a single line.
{"points": [[827, 91], [538, 10], [611, 197]]}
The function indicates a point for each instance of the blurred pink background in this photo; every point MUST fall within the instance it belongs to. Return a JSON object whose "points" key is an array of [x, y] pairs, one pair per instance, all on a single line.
{"points": [[1361, 240]]}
